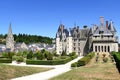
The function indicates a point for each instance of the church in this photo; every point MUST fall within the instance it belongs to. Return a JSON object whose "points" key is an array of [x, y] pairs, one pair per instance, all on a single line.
{"points": [[98, 38]]}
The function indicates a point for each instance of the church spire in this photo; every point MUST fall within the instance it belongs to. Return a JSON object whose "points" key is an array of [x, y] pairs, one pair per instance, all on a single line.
{"points": [[10, 39], [10, 30]]}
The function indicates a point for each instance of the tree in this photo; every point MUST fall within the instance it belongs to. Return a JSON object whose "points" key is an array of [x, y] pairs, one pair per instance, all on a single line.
{"points": [[30, 55], [50, 56]]}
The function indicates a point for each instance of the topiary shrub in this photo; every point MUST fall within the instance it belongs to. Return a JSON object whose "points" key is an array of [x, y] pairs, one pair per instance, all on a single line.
{"points": [[105, 59]]}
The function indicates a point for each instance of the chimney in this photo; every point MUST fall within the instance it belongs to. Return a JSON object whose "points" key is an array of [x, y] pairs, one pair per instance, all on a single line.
{"points": [[101, 20], [107, 24]]}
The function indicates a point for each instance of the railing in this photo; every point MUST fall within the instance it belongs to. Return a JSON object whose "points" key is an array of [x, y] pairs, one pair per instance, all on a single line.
{"points": [[105, 39]]}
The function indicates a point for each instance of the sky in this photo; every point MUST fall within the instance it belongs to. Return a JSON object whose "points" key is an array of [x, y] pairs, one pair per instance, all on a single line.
{"points": [[43, 17]]}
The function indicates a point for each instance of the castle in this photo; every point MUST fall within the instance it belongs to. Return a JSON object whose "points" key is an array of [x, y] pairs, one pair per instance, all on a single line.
{"points": [[98, 38]]}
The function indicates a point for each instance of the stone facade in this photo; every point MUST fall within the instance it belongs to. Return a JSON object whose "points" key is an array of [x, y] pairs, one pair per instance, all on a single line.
{"points": [[10, 39], [101, 38]]}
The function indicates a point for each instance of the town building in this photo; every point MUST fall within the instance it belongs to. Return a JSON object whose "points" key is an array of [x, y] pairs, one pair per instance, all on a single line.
{"points": [[98, 38]]}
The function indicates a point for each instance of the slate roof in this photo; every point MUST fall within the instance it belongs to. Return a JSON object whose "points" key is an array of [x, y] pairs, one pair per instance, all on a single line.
{"points": [[105, 31]]}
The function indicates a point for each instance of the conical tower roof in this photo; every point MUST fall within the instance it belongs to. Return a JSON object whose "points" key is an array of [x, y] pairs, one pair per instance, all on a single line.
{"points": [[10, 30]]}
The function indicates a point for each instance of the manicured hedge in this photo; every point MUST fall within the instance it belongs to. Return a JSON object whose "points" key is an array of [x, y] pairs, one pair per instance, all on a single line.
{"points": [[91, 55], [73, 57], [5, 60], [75, 64], [83, 61], [48, 62], [116, 56], [64, 60]]}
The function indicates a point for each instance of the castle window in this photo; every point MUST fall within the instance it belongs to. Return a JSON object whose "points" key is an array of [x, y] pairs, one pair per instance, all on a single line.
{"points": [[95, 48], [78, 44]]}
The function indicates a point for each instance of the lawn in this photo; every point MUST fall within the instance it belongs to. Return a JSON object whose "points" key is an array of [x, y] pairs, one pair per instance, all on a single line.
{"points": [[8, 72], [92, 71]]}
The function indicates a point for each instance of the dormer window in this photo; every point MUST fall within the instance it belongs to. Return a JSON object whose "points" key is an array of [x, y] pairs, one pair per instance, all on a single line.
{"points": [[101, 32]]}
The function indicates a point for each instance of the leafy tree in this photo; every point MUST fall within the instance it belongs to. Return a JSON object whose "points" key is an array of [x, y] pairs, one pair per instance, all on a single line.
{"points": [[30, 55], [50, 56], [27, 38]]}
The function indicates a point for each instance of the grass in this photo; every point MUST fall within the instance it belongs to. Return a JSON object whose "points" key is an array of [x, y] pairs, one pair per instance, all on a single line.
{"points": [[8, 72], [92, 71]]}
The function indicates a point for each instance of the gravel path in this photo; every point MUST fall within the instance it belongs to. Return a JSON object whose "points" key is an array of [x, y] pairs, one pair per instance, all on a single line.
{"points": [[59, 69]]}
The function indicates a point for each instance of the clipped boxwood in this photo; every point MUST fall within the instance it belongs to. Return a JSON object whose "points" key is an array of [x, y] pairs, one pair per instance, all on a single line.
{"points": [[73, 57], [117, 60], [48, 62], [75, 64], [91, 55], [83, 61], [5, 60]]}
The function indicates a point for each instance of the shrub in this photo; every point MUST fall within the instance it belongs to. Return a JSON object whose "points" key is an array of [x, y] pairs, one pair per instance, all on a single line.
{"points": [[72, 54], [30, 55], [75, 64], [64, 53], [40, 56], [55, 54], [83, 61], [5, 60], [50, 56], [116, 56], [105, 59], [19, 59], [73, 57], [91, 55], [48, 62]]}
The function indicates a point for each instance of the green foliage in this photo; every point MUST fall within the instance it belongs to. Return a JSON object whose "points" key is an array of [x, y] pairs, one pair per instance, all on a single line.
{"points": [[25, 54], [48, 62], [27, 38], [43, 51], [64, 53], [83, 61], [5, 60], [50, 56], [40, 56], [30, 55], [91, 55], [73, 57], [75, 64], [5, 54], [8, 54], [55, 54], [72, 54], [116, 56]]}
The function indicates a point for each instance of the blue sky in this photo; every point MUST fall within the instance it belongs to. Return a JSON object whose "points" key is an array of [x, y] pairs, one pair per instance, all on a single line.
{"points": [[42, 17]]}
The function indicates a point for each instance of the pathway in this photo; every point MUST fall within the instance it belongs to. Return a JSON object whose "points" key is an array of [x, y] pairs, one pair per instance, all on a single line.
{"points": [[59, 69]]}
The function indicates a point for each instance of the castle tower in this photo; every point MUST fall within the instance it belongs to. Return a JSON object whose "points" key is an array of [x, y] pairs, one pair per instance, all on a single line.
{"points": [[10, 39]]}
